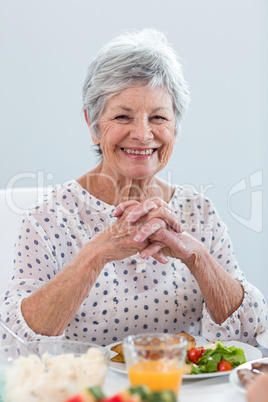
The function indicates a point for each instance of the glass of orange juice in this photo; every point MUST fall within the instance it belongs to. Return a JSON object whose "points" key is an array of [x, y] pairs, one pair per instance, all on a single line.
{"points": [[156, 360]]}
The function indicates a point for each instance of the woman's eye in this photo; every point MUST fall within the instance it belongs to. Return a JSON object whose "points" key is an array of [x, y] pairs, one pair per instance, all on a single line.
{"points": [[121, 117], [159, 118]]}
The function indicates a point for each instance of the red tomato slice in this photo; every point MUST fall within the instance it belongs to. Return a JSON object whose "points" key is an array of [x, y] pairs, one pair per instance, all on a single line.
{"points": [[224, 366], [194, 354]]}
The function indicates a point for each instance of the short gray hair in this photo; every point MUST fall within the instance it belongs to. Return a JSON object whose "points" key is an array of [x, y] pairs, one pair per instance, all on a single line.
{"points": [[129, 60]]}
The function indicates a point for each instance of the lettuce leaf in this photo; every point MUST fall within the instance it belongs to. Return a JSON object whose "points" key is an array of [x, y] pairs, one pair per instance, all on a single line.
{"points": [[208, 363]]}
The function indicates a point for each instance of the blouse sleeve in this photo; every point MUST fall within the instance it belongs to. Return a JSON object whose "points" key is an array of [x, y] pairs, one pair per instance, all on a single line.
{"points": [[250, 317], [35, 264]]}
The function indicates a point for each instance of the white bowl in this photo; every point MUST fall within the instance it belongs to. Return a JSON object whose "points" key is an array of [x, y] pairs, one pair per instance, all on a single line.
{"points": [[72, 366]]}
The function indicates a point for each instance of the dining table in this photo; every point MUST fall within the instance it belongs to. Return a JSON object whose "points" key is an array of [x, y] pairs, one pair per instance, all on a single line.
{"points": [[215, 389]]}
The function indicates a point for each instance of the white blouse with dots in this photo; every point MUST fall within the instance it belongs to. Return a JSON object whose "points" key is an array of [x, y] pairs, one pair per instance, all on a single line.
{"points": [[123, 301]]}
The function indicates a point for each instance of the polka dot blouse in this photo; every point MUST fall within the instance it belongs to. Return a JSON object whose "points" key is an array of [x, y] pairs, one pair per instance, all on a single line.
{"points": [[123, 300]]}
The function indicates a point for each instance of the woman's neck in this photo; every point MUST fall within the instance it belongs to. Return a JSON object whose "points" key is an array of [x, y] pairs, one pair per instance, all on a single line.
{"points": [[114, 189]]}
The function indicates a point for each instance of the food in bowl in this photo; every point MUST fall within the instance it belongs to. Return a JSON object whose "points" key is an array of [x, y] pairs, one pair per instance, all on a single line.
{"points": [[68, 372]]}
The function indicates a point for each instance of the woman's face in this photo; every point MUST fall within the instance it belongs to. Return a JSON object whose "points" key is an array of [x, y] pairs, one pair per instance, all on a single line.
{"points": [[137, 132]]}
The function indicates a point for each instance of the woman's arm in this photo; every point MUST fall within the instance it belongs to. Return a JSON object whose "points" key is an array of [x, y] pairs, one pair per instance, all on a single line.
{"points": [[214, 268], [222, 293], [49, 310]]}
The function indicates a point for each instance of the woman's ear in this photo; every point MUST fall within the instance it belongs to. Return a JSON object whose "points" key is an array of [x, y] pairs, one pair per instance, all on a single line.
{"points": [[93, 136], [86, 118]]}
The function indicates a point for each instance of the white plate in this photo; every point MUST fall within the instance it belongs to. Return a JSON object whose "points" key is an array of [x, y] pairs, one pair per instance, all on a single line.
{"points": [[262, 339], [233, 378], [119, 367], [251, 353]]}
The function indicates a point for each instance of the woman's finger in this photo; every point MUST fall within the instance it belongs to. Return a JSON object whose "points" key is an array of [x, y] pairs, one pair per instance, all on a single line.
{"points": [[155, 250], [173, 241], [169, 216], [141, 210], [160, 257], [149, 228], [151, 250], [120, 209], [158, 215], [145, 207]]}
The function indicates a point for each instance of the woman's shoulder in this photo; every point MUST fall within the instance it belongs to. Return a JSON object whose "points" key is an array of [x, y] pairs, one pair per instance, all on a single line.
{"points": [[188, 199], [53, 198], [188, 194], [67, 199]]}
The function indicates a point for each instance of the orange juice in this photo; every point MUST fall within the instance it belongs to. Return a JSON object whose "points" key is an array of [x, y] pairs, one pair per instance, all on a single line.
{"points": [[158, 376]]}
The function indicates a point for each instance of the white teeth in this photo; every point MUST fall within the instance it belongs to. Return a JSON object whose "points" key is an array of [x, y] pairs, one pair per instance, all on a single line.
{"points": [[135, 152]]}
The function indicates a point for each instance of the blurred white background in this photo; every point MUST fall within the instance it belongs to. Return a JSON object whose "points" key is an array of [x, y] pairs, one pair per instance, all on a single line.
{"points": [[45, 48]]}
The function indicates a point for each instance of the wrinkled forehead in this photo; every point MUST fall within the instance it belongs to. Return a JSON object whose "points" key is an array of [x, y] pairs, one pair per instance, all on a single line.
{"points": [[144, 97]]}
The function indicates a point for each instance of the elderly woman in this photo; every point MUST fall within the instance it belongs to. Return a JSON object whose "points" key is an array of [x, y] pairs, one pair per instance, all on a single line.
{"points": [[120, 251]]}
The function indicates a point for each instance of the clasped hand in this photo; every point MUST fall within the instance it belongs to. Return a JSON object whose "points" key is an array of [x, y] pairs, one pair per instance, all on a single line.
{"points": [[160, 234]]}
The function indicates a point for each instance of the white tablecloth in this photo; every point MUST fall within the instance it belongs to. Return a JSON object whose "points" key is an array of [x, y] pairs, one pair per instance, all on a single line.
{"points": [[216, 389]]}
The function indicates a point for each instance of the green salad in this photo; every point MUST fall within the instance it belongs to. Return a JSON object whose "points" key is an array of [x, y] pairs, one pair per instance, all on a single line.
{"points": [[219, 358]]}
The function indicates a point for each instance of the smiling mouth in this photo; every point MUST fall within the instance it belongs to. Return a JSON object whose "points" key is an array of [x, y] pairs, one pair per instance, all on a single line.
{"points": [[138, 152]]}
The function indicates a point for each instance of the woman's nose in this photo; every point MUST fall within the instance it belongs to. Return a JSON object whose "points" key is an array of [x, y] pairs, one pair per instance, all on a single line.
{"points": [[141, 132]]}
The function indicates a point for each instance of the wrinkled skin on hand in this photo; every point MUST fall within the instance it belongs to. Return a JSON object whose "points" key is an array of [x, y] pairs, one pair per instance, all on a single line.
{"points": [[117, 241], [167, 240], [181, 246]]}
